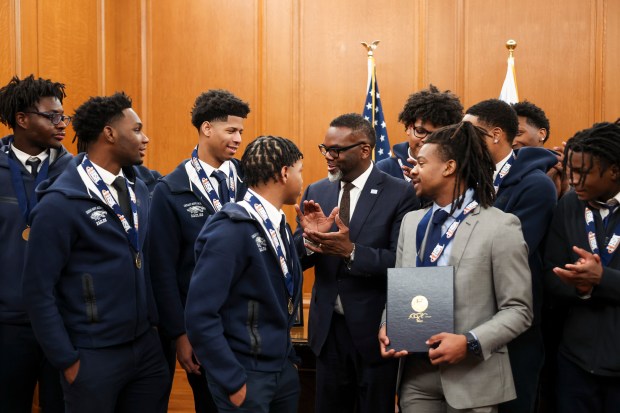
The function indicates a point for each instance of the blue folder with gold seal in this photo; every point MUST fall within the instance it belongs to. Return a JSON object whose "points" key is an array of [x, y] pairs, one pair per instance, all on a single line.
{"points": [[420, 304]]}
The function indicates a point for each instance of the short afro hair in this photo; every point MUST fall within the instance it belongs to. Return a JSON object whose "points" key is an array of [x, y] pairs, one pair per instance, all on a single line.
{"points": [[96, 113], [534, 116], [356, 123], [497, 114], [431, 105], [217, 105], [23, 95], [265, 156]]}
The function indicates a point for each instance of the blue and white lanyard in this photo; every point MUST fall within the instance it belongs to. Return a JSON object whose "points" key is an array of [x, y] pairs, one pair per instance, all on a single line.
{"points": [[104, 190], [206, 184], [609, 249], [445, 239], [260, 209]]}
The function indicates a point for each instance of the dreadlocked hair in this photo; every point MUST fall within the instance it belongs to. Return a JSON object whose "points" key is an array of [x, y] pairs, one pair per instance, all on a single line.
{"points": [[95, 114], [431, 105], [265, 157], [217, 105], [601, 141], [465, 144], [23, 95]]}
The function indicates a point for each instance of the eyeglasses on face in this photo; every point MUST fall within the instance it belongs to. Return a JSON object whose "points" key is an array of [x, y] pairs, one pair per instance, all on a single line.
{"points": [[55, 118], [418, 131], [334, 151]]}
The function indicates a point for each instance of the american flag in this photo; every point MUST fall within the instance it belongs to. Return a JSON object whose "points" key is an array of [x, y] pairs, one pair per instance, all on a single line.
{"points": [[382, 148]]}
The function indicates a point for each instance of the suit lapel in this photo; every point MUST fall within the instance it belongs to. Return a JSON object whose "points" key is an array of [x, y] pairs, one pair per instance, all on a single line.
{"points": [[463, 234], [368, 197]]}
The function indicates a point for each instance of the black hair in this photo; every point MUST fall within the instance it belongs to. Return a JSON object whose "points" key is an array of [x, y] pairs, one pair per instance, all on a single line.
{"points": [[23, 95], [431, 105], [356, 123], [466, 145], [217, 105], [265, 157], [602, 141], [497, 114], [534, 116], [95, 114]]}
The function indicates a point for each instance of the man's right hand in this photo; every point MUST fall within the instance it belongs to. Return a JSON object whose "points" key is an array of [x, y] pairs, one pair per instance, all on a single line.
{"points": [[238, 398], [314, 218], [185, 354], [72, 371]]}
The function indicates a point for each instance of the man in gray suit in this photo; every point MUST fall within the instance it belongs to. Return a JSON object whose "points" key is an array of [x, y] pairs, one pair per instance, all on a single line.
{"points": [[468, 370]]}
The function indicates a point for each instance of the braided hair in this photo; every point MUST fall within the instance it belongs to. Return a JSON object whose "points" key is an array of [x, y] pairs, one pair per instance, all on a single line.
{"points": [[265, 157], [602, 141], [465, 144], [22, 95]]}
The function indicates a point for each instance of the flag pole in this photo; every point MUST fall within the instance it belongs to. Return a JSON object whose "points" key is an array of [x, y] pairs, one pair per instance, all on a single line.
{"points": [[370, 48], [510, 93]]}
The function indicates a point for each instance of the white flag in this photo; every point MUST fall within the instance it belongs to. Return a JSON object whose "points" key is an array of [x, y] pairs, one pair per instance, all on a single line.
{"points": [[509, 92]]}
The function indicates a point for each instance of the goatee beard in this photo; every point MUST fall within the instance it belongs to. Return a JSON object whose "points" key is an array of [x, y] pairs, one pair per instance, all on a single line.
{"points": [[334, 177]]}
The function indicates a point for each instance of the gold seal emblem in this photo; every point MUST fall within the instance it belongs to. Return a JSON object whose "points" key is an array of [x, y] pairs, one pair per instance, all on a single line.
{"points": [[419, 303], [26, 233]]}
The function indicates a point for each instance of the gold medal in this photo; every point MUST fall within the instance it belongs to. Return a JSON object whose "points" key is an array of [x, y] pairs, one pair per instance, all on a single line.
{"points": [[290, 306], [26, 233], [138, 261]]}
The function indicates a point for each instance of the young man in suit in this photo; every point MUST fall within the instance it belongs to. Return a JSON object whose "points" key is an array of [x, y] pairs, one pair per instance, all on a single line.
{"points": [[351, 250], [32, 108], [246, 286], [424, 112], [86, 286], [181, 204], [468, 370], [582, 266], [523, 189]]}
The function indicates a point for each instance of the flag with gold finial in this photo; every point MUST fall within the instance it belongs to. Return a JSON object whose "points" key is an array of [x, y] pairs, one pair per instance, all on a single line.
{"points": [[509, 93], [373, 110]]}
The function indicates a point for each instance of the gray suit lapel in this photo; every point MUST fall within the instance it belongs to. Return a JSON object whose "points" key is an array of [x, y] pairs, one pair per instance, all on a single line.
{"points": [[462, 236]]}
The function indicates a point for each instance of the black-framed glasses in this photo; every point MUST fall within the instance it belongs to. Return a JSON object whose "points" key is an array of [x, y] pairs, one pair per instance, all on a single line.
{"points": [[418, 131], [55, 118], [334, 151]]}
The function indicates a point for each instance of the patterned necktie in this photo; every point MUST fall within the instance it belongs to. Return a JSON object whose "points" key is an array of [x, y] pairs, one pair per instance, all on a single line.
{"points": [[34, 163], [434, 235], [345, 203], [284, 237], [123, 197], [222, 191]]}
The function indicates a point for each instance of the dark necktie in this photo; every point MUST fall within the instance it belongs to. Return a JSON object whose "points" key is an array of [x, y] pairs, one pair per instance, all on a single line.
{"points": [[222, 192], [612, 206], [434, 235], [285, 244], [123, 198], [345, 203], [34, 163]]}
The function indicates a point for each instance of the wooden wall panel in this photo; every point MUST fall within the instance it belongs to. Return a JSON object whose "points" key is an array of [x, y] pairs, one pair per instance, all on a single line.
{"points": [[7, 47], [554, 56], [611, 62], [191, 49]]}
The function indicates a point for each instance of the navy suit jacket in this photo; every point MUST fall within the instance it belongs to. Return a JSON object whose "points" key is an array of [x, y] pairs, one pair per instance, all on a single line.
{"points": [[374, 228]]}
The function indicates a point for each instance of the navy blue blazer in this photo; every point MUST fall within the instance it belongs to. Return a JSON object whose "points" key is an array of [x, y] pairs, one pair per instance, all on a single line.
{"points": [[374, 229]]}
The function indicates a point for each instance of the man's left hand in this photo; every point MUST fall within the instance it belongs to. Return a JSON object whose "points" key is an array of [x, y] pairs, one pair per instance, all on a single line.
{"points": [[583, 274], [451, 348], [331, 243]]}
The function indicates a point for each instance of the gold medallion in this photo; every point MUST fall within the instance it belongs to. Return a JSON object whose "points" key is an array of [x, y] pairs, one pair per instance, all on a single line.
{"points": [[138, 261], [290, 306], [26, 233]]}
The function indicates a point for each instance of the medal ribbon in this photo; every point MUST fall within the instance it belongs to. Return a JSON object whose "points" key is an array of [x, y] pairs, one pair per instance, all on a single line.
{"points": [[26, 203], [609, 249], [130, 232], [503, 172], [206, 183], [400, 163], [260, 209], [445, 239]]}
